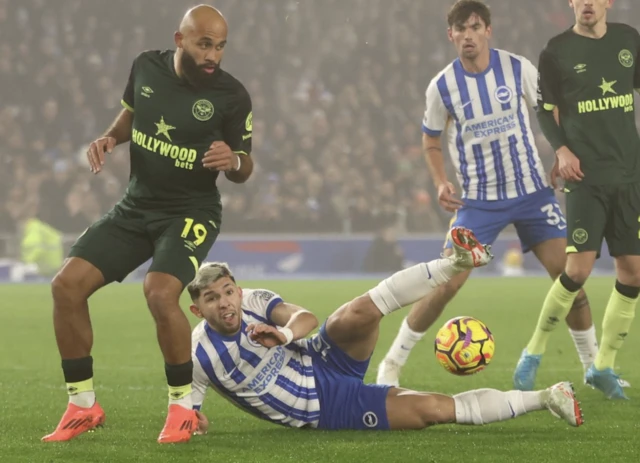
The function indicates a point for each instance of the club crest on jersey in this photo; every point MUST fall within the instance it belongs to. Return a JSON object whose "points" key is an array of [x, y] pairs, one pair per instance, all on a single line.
{"points": [[626, 58], [202, 110], [252, 342], [503, 94]]}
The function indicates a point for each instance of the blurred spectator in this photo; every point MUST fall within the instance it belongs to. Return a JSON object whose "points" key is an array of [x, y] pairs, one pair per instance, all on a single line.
{"points": [[337, 87]]}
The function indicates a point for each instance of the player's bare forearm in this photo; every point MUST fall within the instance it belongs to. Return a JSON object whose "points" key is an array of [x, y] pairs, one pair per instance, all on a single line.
{"points": [[121, 127], [432, 147], [246, 168], [301, 324]]}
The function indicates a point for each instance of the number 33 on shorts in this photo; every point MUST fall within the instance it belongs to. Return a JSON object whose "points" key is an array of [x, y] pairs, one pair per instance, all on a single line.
{"points": [[555, 217]]}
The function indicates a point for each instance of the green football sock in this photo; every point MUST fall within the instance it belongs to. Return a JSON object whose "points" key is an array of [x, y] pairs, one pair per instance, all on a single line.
{"points": [[556, 306], [617, 320]]}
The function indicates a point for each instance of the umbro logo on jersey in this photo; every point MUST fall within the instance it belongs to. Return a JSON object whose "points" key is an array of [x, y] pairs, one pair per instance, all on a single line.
{"points": [[580, 68], [146, 91]]}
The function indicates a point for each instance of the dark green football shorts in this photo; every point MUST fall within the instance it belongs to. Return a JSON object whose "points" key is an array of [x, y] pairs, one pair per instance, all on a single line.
{"points": [[609, 212], [126, 238]]}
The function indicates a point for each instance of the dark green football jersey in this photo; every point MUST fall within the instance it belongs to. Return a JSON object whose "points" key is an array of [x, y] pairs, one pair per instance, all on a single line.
{"points": [[591, 82], [173, 126]]}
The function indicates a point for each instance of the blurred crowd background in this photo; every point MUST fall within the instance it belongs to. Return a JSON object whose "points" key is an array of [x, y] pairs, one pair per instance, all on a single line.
{"points": [[337, 87]]}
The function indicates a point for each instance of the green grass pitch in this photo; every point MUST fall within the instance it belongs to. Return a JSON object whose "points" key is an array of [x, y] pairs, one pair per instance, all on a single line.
{"points": [[130, 382]]}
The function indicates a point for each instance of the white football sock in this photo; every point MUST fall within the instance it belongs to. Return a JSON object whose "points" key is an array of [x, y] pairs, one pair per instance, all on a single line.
{"points": [[410, 285], [483, 406], [404, 342], [185, 401], [586, 344], [83, 399]]}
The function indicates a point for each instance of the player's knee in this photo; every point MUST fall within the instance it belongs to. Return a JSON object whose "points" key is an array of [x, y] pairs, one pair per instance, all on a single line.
{"points": [[67, 287], [363, 309], [161, 300], [628, 271], [578, 276], [579, 266]]}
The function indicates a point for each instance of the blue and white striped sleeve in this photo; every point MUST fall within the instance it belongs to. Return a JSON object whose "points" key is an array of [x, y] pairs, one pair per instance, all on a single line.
{"points": [[435, 113], [529, 83], [260, 303]]}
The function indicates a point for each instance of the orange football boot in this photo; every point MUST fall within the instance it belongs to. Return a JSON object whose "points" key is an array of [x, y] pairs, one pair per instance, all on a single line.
{"points": [[75, 421], [180, 425]]}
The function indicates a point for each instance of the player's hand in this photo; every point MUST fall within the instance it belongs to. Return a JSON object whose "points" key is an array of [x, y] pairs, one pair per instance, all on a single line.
{"points": [[203, 424], [554, 174], [95, 153], [220, 157], [569, 165], [447, 199], [266, 335]]}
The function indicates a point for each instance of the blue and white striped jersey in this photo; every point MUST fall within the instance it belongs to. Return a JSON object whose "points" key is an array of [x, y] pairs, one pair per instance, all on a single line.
{"points": [[488, 129], [275, 384]]}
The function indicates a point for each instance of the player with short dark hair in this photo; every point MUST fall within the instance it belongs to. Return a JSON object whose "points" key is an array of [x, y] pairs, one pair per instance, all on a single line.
{"points": [[587, 74], [478, 104], [250, 348], [187, 121]]}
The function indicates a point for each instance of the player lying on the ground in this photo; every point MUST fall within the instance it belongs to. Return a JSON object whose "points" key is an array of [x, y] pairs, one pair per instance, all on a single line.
{"points": [[251, 349], [478, 103]]}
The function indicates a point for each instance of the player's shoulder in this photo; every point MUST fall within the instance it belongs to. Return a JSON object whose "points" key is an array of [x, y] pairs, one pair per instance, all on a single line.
{"points": [[232, 83], [198, 333], [258, 296], [433, 83], [558, 40], [622, 28], [259, 303], [505, 54], [154, 56]]}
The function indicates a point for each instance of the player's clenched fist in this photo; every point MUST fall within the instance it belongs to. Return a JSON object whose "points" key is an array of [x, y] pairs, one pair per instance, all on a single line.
{"points": [[96, 151], [220, 158], [266, 335]]}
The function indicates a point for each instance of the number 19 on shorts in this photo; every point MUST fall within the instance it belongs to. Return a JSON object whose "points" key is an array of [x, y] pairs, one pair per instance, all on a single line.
{"points": [[199, 231]]}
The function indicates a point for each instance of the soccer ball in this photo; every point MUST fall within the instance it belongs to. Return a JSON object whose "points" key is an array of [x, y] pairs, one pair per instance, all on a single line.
{"points": [[464, 346]]}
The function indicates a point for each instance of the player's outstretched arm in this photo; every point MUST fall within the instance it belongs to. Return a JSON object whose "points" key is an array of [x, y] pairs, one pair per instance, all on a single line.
{"points": [[293, 323], [119, 132]]}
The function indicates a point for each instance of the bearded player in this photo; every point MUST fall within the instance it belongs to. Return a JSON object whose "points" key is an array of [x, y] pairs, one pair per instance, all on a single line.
{"points": [[187, 121], [250, 348], [588, 74], [479, 104]]}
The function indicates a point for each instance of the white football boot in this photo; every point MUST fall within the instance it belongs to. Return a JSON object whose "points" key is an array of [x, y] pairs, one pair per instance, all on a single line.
{"points": [[562, 403], [468, 252]]}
